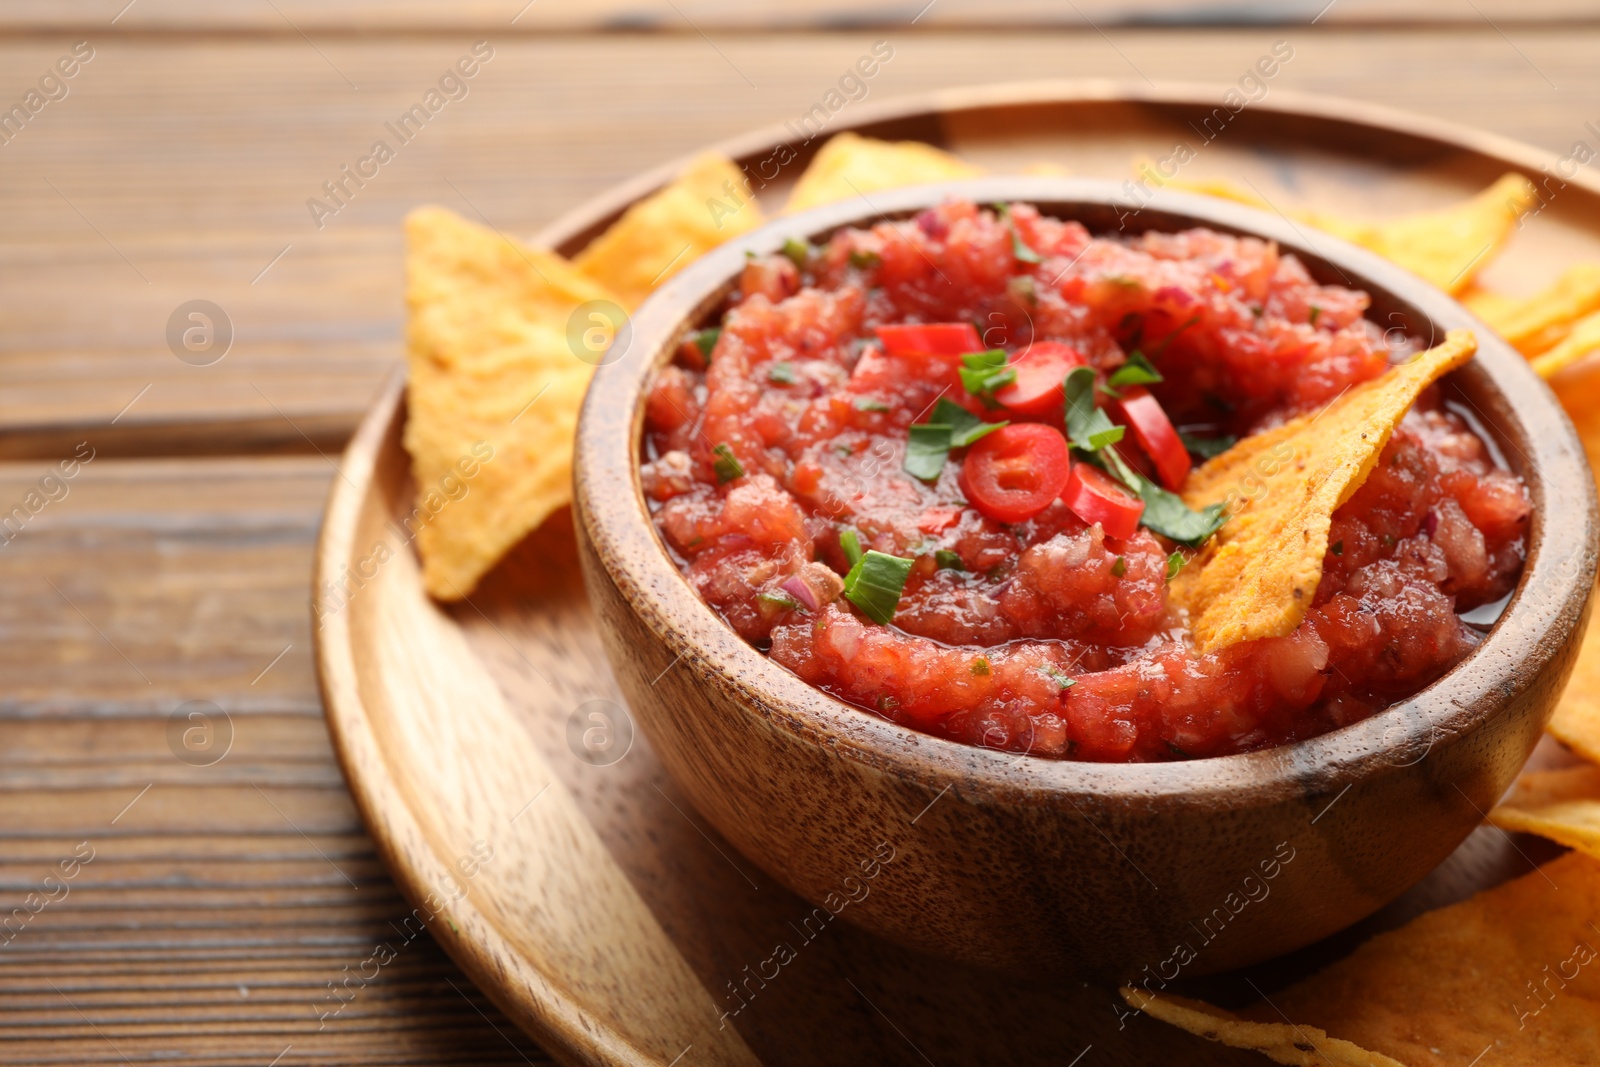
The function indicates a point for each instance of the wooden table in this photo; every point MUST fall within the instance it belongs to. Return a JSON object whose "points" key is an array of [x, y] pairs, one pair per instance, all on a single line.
{"points": [[228, 891]]}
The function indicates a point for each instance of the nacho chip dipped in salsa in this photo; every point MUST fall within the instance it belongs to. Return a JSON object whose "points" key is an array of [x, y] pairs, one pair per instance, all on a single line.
{"points": [[938, 468]]}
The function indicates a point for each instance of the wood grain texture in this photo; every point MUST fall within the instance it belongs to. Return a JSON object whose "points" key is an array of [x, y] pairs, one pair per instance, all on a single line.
{"points": [[219, 143], [219, 899]]}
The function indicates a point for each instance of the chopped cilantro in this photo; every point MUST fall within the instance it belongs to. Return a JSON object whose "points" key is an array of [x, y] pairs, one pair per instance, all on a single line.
{"points": [[1119, 568], [948, 560], [781, 372], [1088, 428], [780, 600], [1019, 247], [874, 584], [706, 340], [965, 427], [1316, 313], [982, 373], [1165, 512], [865, 259], [726, 464], [1206, 446], [1137, 371], [927, 448], [1063, 681], [980, 666], [1175, 564]]}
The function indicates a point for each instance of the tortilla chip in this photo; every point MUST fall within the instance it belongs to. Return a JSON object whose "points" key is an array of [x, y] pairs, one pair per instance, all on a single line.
{"points": [[1220, 188], [1257, 576], [851, 165], [1533, 324], [1563, 805], [1447, 247], [1581, 342], [1576, 722], [493, 393], [1283, 1042], [1512, 969], [1046, 169], [709, 203]]}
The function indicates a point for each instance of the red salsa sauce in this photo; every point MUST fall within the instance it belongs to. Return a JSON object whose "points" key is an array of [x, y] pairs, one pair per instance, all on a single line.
{"points": [[1032, 612]]}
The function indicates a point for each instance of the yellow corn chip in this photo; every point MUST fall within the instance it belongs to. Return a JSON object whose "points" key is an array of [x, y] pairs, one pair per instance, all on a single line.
{"points": [[1305, 1046], [851, 165], [1534, 323], [1563, 805], [1257, 576], [1047, 169], [1488, 305], [1512, 973], [1576, 722], [1446, 247], [1579, 343], [1220, 188], [493, 394], [709, 203]]}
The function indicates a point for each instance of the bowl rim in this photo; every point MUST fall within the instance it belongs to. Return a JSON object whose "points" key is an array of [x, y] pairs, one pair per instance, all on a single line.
{"points": [[1544, 611]]}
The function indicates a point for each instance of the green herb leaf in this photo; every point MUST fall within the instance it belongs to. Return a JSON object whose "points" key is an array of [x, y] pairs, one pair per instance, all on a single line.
{"points": [[1019, 249], [982, 373], [874, 584], [965, 427], [726, 464], [1207, 447], [1316, 313], [866, 403], [1088, 428], [980, 666], [1175, 564], [926, 450], [798, 251], [706, 340], [1119, 568], [1137, 371], [1165, 512], [781, 600], [865, 259], [948, 560], [850, 541], [1061, 680], [1023, 289], [782, 373]]}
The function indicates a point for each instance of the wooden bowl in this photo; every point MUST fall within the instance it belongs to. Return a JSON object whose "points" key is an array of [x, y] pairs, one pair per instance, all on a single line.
{"points": [[1050, 867]]}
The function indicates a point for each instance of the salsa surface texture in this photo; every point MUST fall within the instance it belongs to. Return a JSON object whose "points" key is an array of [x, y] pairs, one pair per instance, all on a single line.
{"points": [[1032, 611]]}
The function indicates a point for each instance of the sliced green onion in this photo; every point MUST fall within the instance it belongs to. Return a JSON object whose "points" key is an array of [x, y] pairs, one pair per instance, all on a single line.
{"points": [[874, 585], [798, 251], [850, 541], [1175, 564], [948, 560], [1206, 446], [1088, 428], [927, 448], [780, 600], [726, 464], [866, 403], [782, 373], [706, 340]]}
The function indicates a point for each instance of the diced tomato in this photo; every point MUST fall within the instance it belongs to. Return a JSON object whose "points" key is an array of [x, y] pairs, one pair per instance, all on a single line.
{"points": [[1016, 472], [930, 339], [1094, 497], [937, 520], [1153, 430], [1040, 369]]}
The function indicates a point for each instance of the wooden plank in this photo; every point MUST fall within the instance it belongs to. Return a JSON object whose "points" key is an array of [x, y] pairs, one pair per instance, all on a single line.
{"points": [[204, 907], [686, 16], [219, 143]]}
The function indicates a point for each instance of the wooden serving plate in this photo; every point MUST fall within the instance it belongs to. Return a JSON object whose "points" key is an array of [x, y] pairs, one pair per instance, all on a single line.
{"points": [[491, 756]]}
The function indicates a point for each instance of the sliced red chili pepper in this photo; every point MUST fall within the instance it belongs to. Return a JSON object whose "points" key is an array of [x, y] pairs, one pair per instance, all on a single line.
{"points": [[1094, 497], [1016, 472], [1154, 432], [1040, 369], [930, 339]]}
